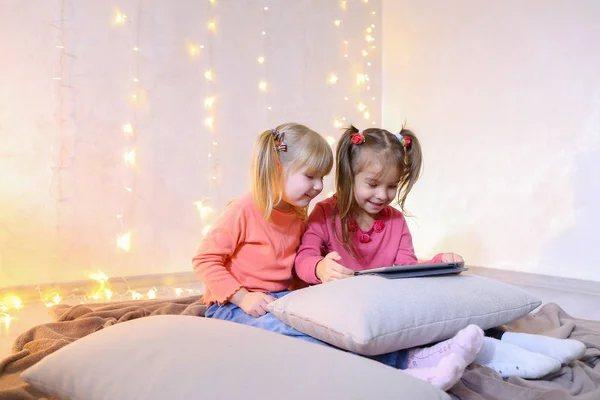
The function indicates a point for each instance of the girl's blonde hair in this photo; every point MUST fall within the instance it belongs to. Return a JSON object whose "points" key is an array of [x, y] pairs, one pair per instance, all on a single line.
{"points": [[305, 148], [404, 153]]}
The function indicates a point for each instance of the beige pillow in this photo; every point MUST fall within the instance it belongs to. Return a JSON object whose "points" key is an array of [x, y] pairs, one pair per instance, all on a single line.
{"points": [[372, 315], [184, 357]]}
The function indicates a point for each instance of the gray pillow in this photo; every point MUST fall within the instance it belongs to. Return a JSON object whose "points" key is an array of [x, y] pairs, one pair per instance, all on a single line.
{"points": [[184, 357], [372, 315]]}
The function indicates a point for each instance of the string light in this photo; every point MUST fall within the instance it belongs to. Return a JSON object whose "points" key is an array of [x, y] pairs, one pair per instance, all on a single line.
{"points": [[333, 79], [124, 241], [130, 157], [193, 50], [262, 85], [120, 18], [212, 26], [208, 75], [261, 60], [209, 102], [337, 22]]}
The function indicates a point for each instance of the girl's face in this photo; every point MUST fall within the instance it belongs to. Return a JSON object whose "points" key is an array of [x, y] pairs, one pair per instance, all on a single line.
{"points": [[376, 186], [300, 187]]}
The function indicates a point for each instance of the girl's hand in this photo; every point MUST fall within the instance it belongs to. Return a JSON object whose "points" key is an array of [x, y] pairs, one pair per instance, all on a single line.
{"points": [[451, 257], [255, 303], [329, 270]]}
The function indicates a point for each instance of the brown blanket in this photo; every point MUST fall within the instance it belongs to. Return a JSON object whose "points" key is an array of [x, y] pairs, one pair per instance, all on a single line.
{"points": [[580, 380]]}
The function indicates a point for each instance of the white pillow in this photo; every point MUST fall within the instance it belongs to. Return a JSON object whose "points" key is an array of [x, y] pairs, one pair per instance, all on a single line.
{"points": [[373, 315], [184, 357]]}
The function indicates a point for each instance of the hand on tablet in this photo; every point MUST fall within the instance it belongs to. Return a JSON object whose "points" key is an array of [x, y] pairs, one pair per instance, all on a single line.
{"points": [[329, 270], [451, 257]]}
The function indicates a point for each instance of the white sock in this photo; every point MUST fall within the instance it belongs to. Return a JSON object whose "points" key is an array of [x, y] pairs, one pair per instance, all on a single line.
{"points": [[510, 360], [564, 350]]}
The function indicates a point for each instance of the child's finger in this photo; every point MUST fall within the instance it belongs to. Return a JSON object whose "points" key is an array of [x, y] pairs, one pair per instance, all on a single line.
{"points": [[334, 255], [342, 270], [269, 299]]}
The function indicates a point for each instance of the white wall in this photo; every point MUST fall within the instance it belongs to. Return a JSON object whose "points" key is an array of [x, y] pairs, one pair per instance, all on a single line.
{"points": [[505, 96], [63, 178]]}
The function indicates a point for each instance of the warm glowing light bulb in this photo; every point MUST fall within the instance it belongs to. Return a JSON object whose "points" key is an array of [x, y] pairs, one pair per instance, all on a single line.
{"points": [[209, 101], [208, 75], [193, 50], [369, 29], [364, 53], [130, 157], [337, 124], [100, 276], [136, 295], [333, 79], [261, 60], [266, 8], [127, 128], [151, 294], [337, 22], [178, 291], [209, 122], [330, 140], [262, 85], [343, 4], [124, 241], [120, 18], [367, 115], [369, 38], [212, 26], [360, 79], [361, 107]]}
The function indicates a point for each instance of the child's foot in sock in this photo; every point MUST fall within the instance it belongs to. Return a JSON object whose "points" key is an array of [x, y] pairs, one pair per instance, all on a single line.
{"points": [[564, 350], [466, 343], [445, 375], [510, 360]]}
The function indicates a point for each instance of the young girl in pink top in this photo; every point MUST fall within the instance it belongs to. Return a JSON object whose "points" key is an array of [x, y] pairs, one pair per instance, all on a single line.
{"points": [[357, 229], [246, 261]]}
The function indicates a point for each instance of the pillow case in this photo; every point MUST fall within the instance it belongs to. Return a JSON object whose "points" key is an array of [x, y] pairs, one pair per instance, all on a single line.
{"points": [[186, 357], [372, 315]]}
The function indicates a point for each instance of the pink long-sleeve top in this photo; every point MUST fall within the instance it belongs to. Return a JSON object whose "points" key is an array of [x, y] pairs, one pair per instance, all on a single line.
{"points": [[244, 250], [387, 243]]}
